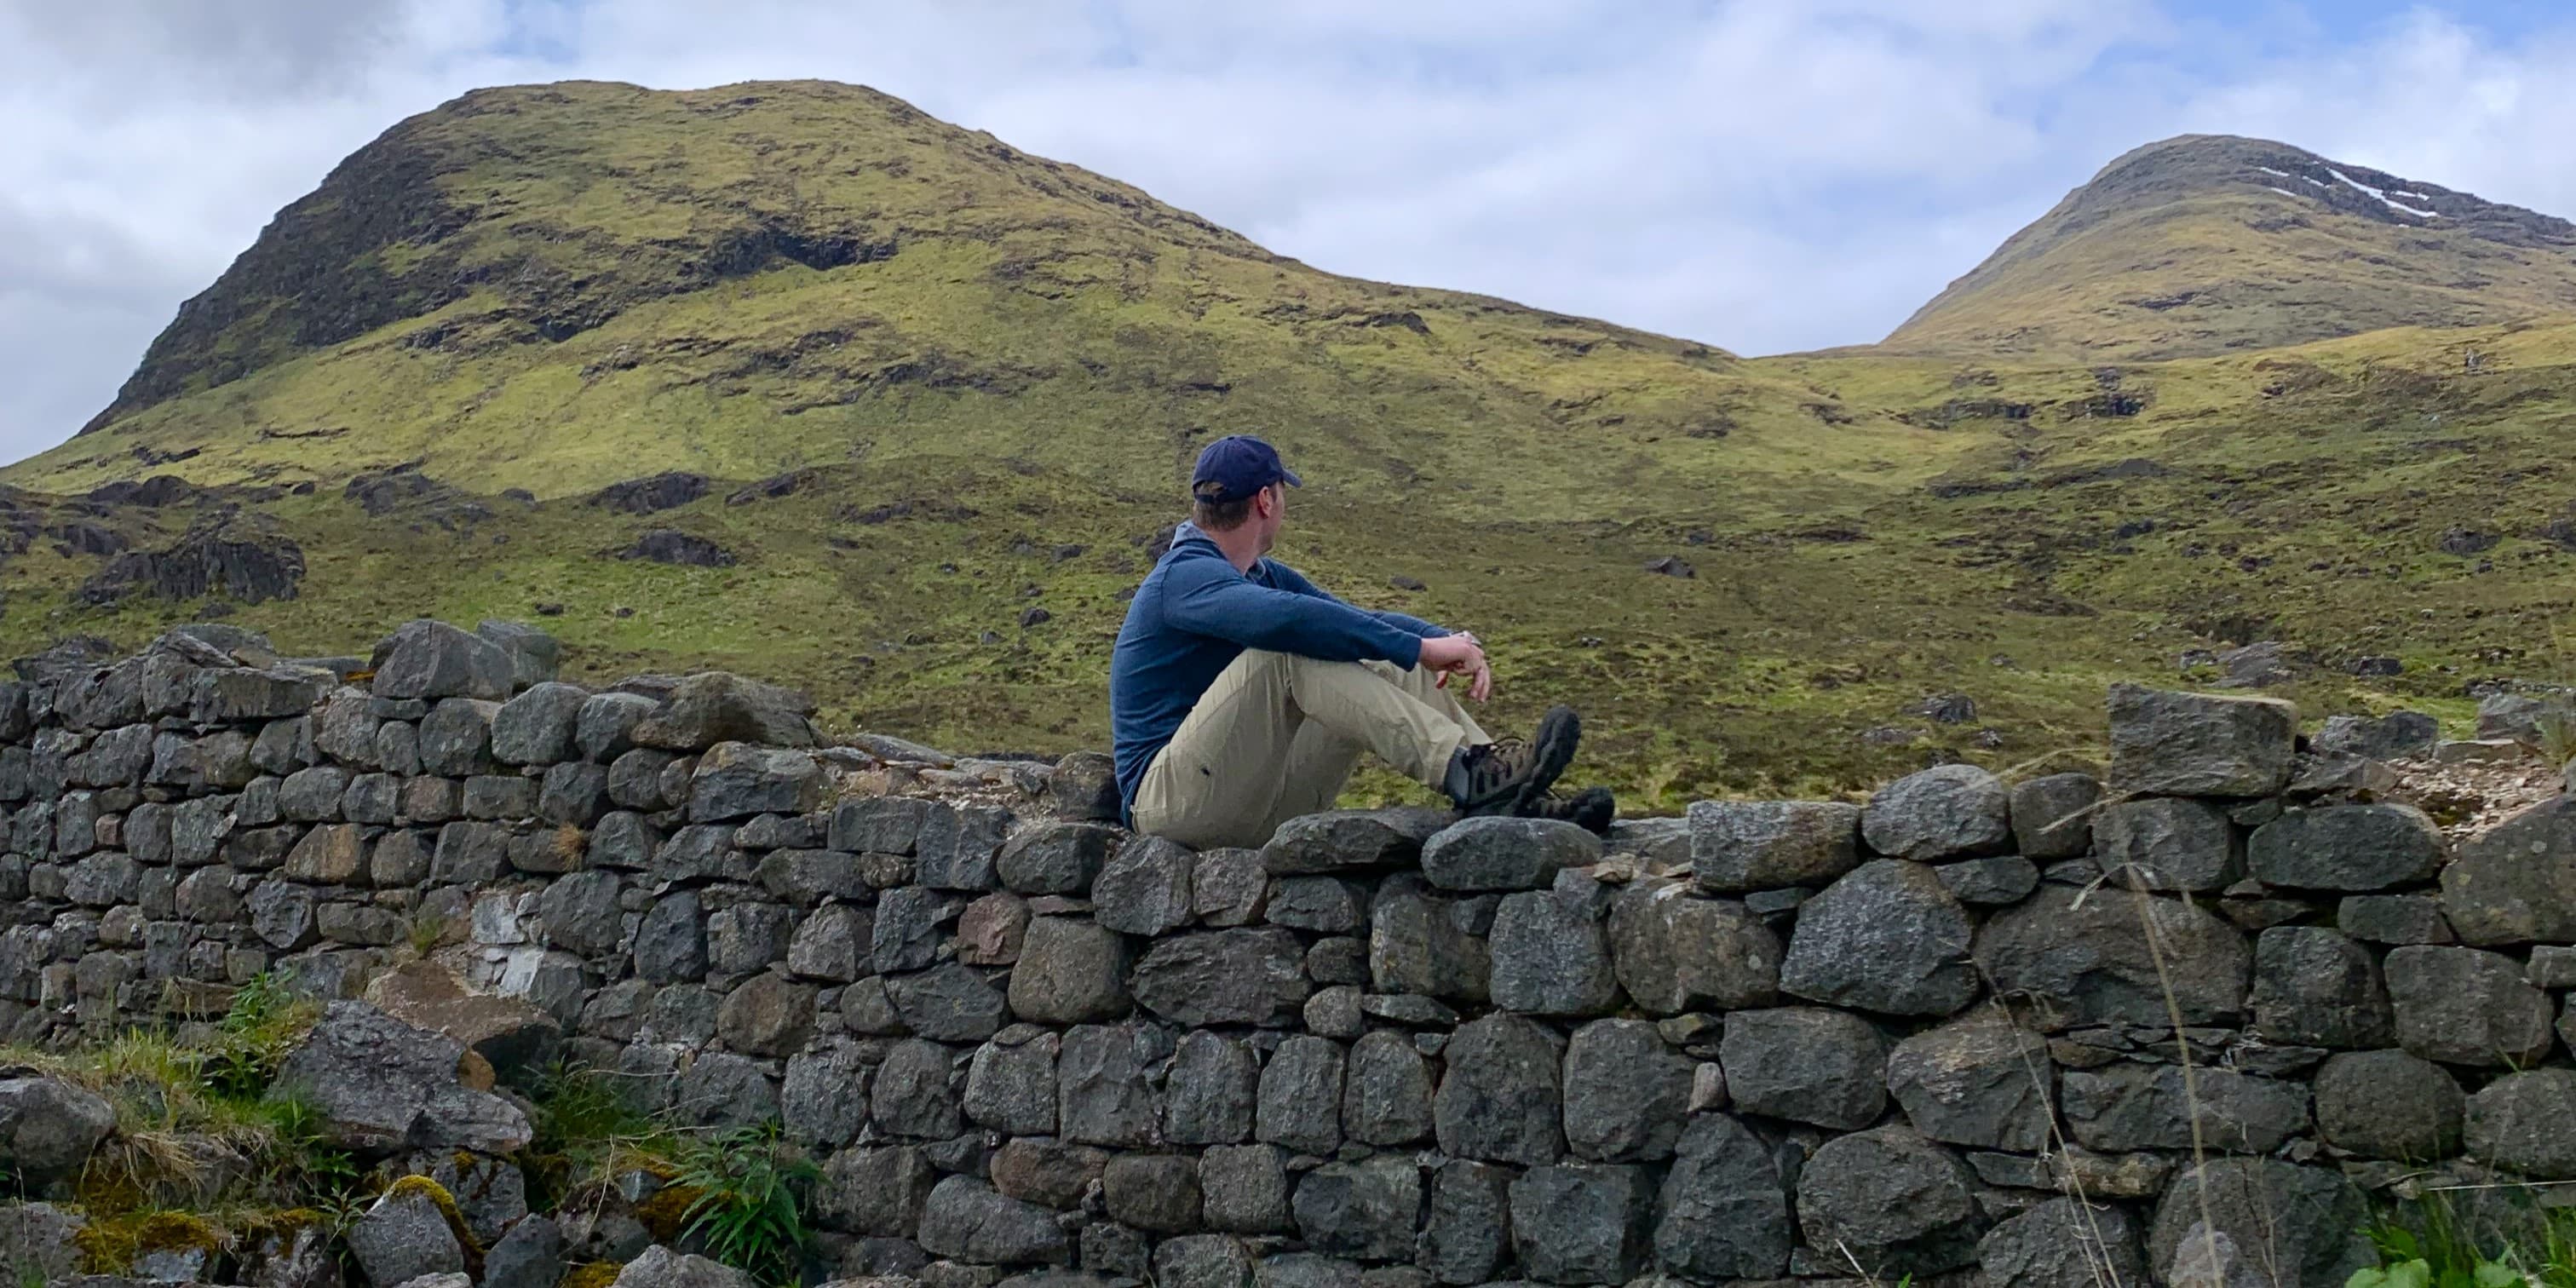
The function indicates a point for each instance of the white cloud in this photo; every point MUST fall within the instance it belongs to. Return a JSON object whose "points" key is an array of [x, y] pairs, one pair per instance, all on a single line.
{"points": [[1761, 174]]}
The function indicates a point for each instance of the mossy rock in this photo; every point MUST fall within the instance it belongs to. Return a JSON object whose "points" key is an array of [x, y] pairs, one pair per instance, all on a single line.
{"points": [[110, 1245], [592, 1274], [667, 1210], [446, 1203]]}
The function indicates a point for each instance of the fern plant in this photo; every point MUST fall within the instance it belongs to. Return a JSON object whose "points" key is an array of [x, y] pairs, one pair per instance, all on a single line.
{"points": [[747, 1212]]}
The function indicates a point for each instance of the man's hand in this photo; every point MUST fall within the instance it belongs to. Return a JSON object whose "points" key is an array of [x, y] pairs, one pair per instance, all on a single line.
{"points": [[1459, 654]]}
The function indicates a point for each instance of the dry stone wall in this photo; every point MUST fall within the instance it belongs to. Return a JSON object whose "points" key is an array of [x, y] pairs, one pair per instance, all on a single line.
{"points": [[2060, 1031]]}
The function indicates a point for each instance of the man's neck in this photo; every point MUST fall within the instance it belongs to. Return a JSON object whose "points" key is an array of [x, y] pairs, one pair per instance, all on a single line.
{"points": [[1242, 546]]}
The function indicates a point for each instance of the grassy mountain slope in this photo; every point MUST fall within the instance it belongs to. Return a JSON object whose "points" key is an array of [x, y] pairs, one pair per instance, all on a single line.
{"points": [[943, 395], [2206, 244]]}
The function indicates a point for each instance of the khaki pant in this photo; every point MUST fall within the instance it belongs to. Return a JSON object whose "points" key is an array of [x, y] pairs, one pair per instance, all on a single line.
{"points": [[1277, 735]]}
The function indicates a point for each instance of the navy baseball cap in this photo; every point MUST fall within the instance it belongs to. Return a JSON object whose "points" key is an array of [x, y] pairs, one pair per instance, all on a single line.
{"points": [[1236, 466]]}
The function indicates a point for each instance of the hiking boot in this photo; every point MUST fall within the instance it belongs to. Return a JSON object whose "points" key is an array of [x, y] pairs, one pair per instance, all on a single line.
{"points": [[1500, 777], [1591, 809]]}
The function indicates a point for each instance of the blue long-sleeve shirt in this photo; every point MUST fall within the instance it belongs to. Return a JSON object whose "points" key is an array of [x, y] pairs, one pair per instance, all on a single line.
{"points": [[1195, 612]]}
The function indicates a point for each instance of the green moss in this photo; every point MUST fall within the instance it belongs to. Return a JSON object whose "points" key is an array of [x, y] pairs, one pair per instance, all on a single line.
{"points": [[424, 1187], [666, 1210], [591, 1274], [109, 1245]]}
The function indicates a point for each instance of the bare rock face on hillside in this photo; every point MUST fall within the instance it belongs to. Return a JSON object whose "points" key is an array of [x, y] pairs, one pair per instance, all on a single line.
{"points": [[218, 559]]}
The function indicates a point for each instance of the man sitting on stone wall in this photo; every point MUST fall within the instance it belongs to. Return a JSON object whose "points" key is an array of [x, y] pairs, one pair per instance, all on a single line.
{"points": [[1241, 695]]}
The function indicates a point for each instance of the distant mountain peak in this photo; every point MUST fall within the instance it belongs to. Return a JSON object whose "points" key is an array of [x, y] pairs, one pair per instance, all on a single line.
{"points": [[2209, 243]]}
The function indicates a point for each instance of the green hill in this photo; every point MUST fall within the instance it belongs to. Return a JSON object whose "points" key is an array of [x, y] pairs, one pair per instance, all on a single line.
{"points": [[2206, 244], [793, 379]]}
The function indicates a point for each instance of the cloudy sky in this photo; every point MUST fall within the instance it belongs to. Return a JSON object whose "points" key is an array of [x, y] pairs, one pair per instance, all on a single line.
{"points": [[1765, 175]]}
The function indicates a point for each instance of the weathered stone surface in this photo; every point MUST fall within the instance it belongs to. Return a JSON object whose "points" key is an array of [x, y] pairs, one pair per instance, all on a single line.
{"points": [[1324, 904], [429, 659], [1070, 972], [604, 724], [660, 1267], [2052, 816], [404, 1236], [948, 1003], [957, 848], [1011, 1085], [966, 1220], [1228, 887], [721, 1089], [2087, 960], [1582, 1223], [1805, 1064], [737, 780], [2395, 736], [1145, 890], [768, 1015], [1466, 1229], [1386, 1092], [671, 941], [1363, 1209], [1424, 943], [2313, 987], [1056, 858], [2388, 1104], [1498, 853], [2516, 882], [48, 1128], [456, 737], [832, 944], [1550, 956], [1946, 811], [1200, 1261], [1626, 1093], [2347, 847], [2275, 1224], [1761, 845], [715, 706], [880, 1191], [1242, 976], [1994, 880], [912, 1095], [536, 727], [2139, 1106], [1499, 1100], [1674, 952], [1049, 1173], [1300, 1101], [2395, 919], [1887, 937], [1981, 1081], [2190, 744], [2525, 1123], [281, 913], [1350, 840], [2062, 1243], [2466, 1006], [530, 1255], [2167, 843], [823, 1100], [1157, 1193], [1244, 1189], [1891, 1200], [1724, 1212], [1211, 1091], [1103, 1096], [907, 932]]}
